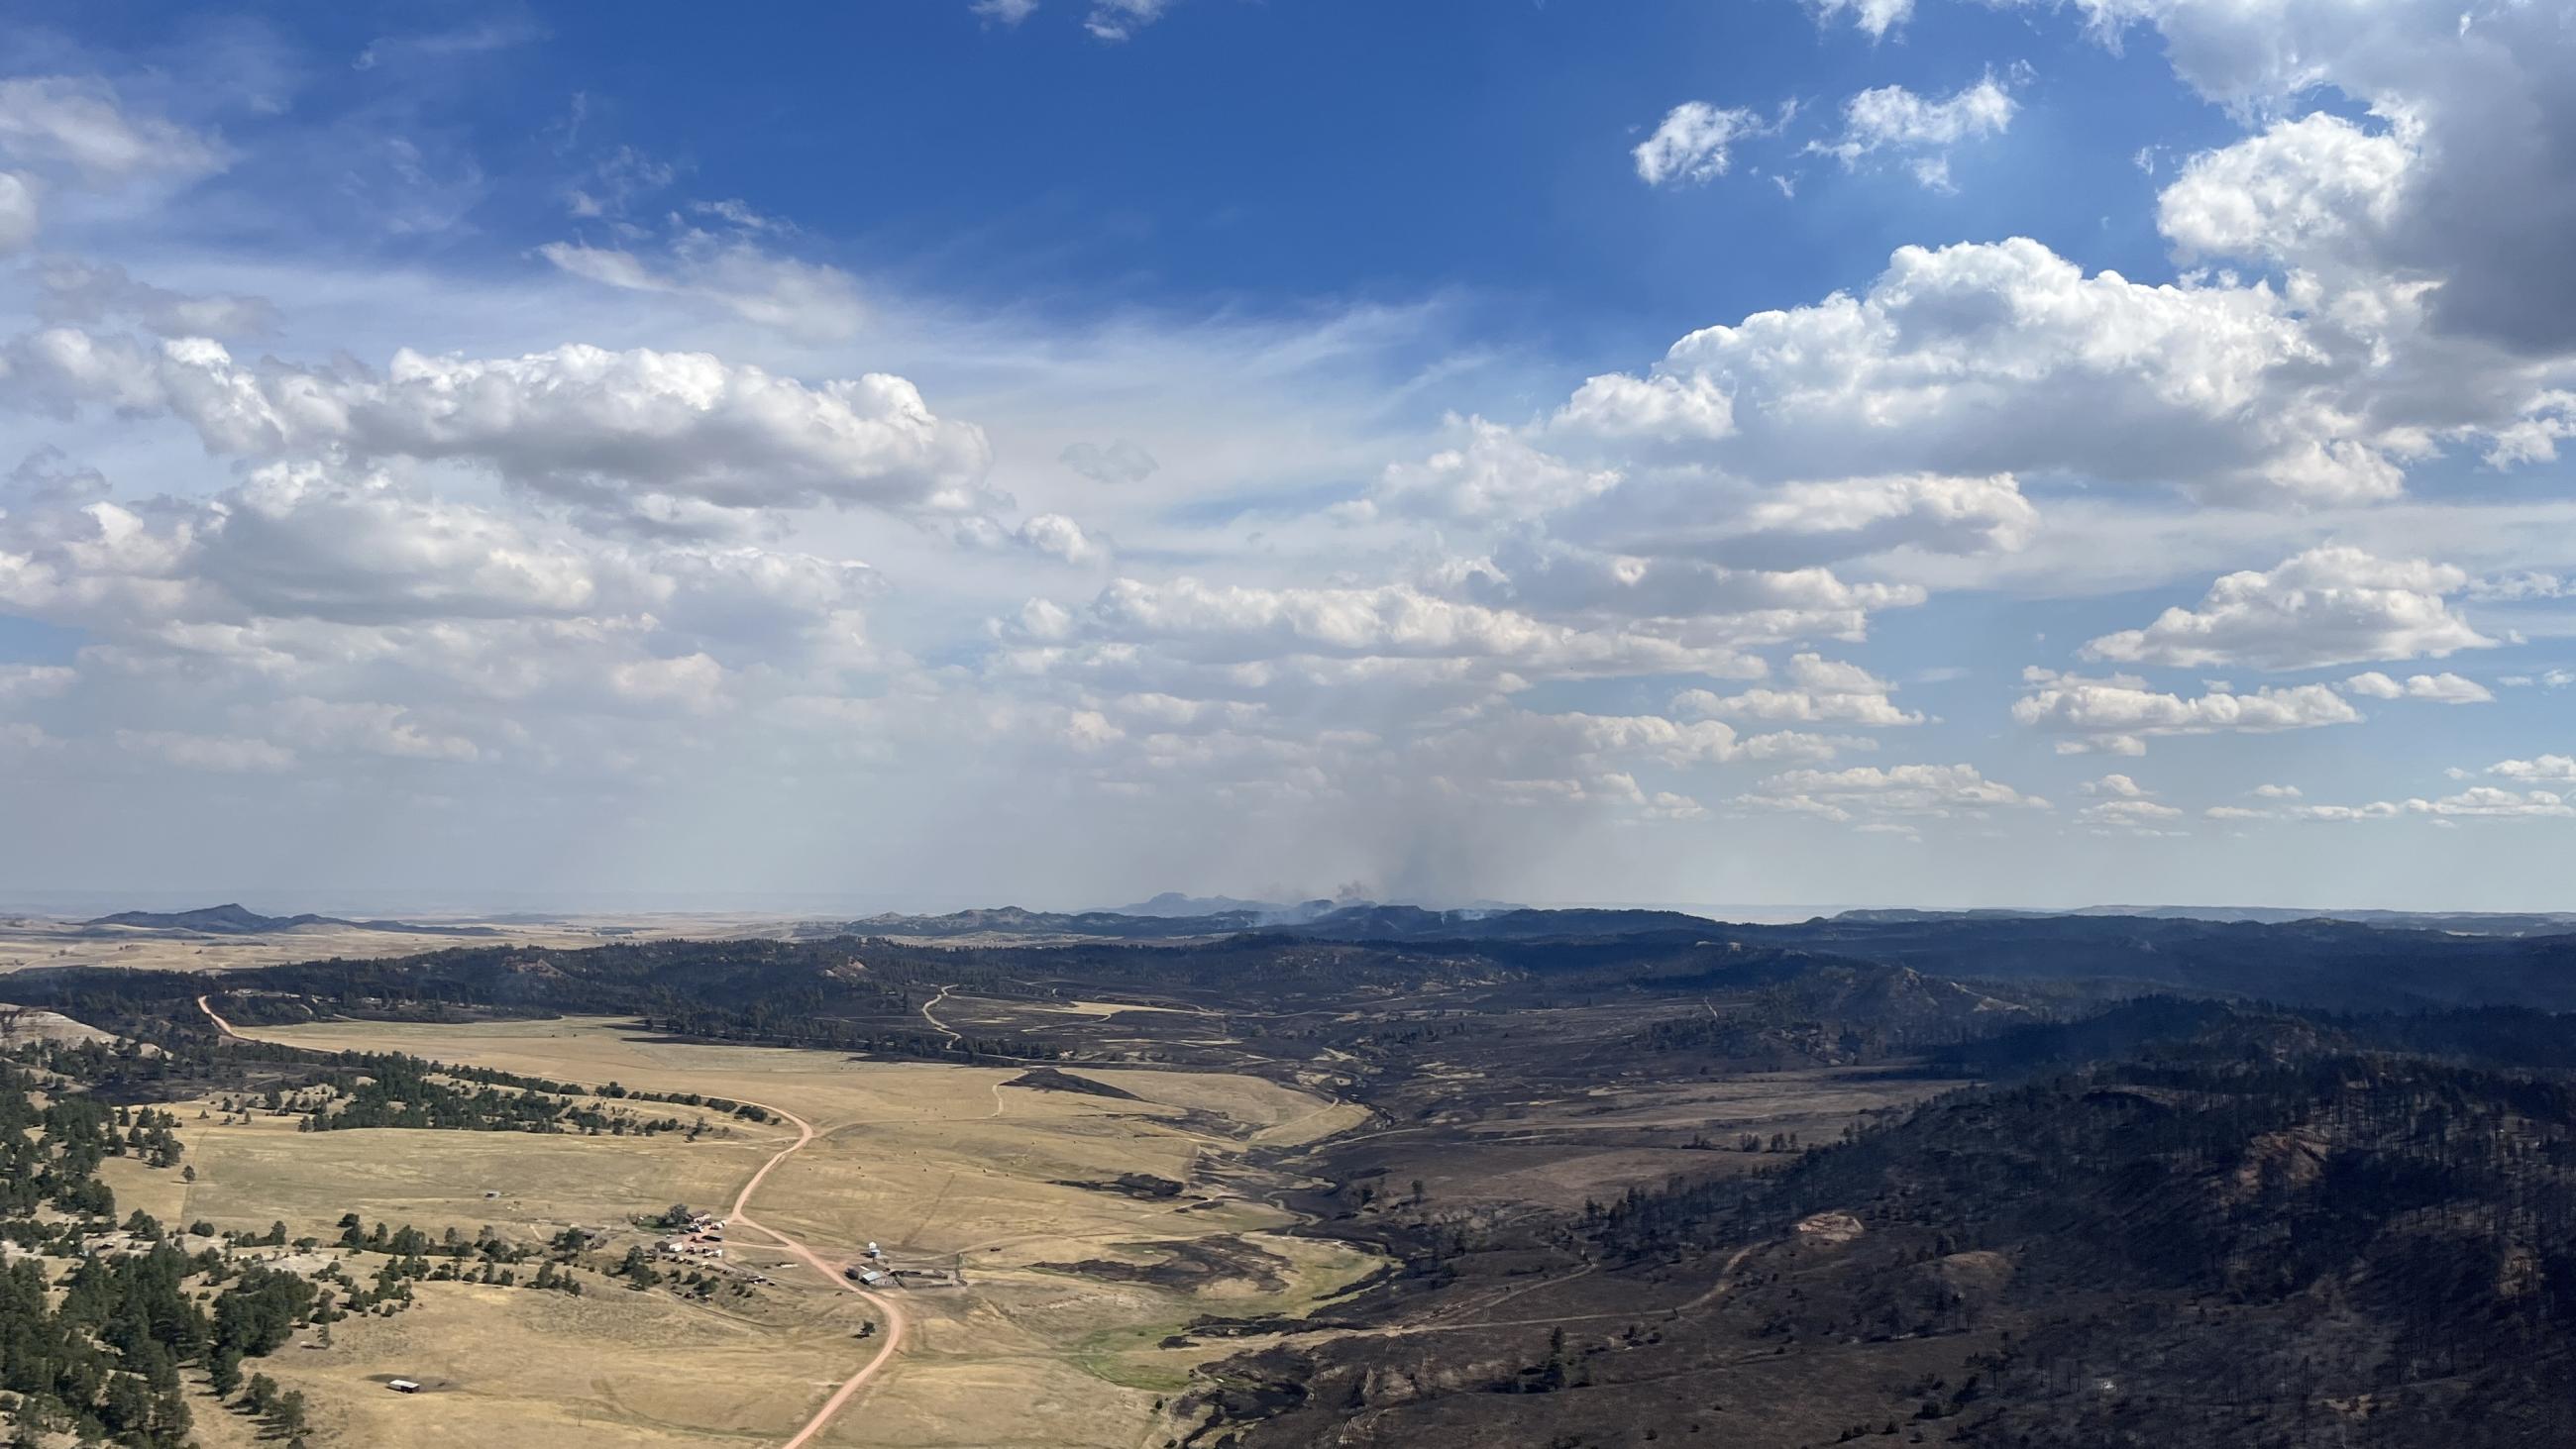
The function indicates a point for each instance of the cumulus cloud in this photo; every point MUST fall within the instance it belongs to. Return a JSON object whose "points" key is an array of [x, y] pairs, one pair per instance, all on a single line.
{"points": [[1691, 144], [1235, 622], [358, 725], [2144, 817], [1921, 511], [2122, 805], [1874, 17], [1904, 790], [636, 434], [2544, 767], [2331, 605], [1819, 691], [1699, 601], [335, 607], [1494, 471], [2115, 715], [2301, 188], [1986, 358], [2478, 802], [2461, 176], [1894, 121], [2444, 688], [1672, 409], [1051, 534]]}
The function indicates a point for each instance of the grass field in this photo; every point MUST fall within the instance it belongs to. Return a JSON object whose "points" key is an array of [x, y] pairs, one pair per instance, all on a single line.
{"points": [[944, 1166], [31, 941]]}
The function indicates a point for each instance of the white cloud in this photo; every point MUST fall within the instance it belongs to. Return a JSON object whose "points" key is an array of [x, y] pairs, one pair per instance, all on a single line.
{"points": [[70, 132], [637, 435], [2115, 715], [1701, 602], [2461, 177], [2276, 792], [1493, 472], [1895, 120], [1821, 691], [2121, 804], [2142, 816], [2533, 437], [2478, 802], [1121, 19], [1059, 536], [1866, 515], [1673, 409], [2004, 358], [1004, 12], [733, 270], [1234, 622], [332, 611], [365, 726], [2528, 584], [2544, 767], [80, 126], [2331, 605], [2486, 800], [1867, 790], [2300, 188], [2445, 688], [1691, 144], [1876, 17]]}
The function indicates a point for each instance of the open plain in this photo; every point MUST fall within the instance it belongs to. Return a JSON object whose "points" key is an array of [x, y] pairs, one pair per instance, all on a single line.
{"points": [[949, 1169]]}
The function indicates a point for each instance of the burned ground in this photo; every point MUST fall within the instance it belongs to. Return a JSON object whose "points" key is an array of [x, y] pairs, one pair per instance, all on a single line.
{"points": [[1597, 1189]]}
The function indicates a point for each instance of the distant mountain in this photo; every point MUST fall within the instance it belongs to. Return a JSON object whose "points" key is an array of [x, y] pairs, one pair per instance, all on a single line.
{"points": [[2466, 923], [233, 919], [1012, 921], [1173, 903], [1514, 923], [2313, 961]]}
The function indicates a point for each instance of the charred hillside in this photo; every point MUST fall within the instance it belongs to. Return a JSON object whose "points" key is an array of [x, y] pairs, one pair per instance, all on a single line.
{"points": [[2253, 1233]]}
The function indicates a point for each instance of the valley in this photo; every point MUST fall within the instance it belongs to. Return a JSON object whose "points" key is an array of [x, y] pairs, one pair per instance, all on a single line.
{"points": [[1562, 1185]]}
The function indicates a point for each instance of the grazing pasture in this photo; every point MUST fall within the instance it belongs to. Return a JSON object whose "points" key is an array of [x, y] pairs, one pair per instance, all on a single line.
{"points": [[1068, 1286]]}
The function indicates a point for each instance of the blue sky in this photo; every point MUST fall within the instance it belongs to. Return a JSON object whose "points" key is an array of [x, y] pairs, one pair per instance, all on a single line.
{"points": [[922, 453]]}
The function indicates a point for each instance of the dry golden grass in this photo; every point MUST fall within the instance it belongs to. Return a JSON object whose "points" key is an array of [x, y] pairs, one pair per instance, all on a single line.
{"points": [[942, 1165], [28, 941]]}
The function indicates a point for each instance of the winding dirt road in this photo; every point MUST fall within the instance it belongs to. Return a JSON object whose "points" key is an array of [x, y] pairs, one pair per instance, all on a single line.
{"points": [[740, 1216], [894, 1323]]}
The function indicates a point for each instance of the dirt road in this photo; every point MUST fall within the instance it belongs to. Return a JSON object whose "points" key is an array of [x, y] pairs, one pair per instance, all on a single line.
{"points": [[894, 1323], [889, 1341]]}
